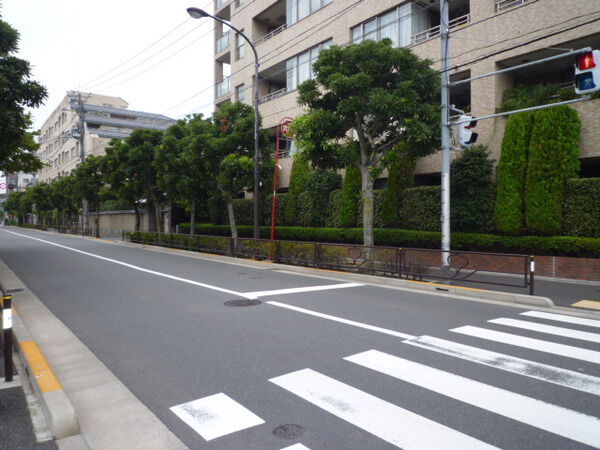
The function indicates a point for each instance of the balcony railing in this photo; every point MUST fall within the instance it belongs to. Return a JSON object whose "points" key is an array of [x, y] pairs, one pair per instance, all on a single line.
{"points": [[224, 87], [271, 34], [435, 31], [223, 42], [273, 95], [222, 3], [501, 5]]}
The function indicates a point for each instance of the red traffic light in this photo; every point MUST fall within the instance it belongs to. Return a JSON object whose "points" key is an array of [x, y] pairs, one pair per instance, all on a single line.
{"points": [[586, 61]]}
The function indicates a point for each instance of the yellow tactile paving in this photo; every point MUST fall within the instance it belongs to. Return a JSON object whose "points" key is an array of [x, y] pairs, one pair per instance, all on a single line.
{"points": [[590, 304]]}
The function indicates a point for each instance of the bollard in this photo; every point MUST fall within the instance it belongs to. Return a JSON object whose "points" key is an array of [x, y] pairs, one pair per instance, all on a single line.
{"points": [[7, 336], [531, 273]]}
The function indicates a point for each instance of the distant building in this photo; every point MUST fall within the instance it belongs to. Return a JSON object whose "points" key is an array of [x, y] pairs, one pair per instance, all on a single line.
{"points": [[103, 118]]}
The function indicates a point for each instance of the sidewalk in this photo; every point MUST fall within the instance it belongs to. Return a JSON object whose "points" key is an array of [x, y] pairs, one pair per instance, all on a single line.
{"points": [[16, 429]]}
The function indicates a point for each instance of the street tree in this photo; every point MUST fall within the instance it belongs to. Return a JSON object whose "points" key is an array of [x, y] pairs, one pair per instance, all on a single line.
{"points": [[122, 177], [62, 198], [182, 163], [89, 184], [19, 92], [232, 150], [369, 104]]}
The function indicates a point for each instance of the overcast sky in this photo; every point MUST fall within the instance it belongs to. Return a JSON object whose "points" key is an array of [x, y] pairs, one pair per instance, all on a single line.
{"points": [[72, 44]]}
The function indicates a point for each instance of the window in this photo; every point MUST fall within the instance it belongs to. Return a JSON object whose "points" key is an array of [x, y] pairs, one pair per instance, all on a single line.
{"points": [[299, 9], [241, 46], [299, 68], [399, 25], [240, 93]]}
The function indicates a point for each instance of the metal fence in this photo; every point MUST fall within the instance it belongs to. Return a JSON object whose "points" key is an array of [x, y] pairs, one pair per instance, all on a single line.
{"points": [[498, 269]]}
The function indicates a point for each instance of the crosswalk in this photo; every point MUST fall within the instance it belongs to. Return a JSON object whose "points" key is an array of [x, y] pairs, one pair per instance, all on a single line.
{"points": [[397, 425]]}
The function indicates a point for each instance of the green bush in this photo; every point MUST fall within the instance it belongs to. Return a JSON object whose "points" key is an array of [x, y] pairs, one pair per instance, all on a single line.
{"points": [[511, 174], [244, 211], [472, 191], [335, 205], [553, 159], [420, 209], [400, 176], [529, 245], [350, 212], [581, 214], [319, 187], [298, 180]]}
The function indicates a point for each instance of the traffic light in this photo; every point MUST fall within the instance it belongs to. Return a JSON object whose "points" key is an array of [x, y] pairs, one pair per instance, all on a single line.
{"points": [[587, 72], [466, 137]]}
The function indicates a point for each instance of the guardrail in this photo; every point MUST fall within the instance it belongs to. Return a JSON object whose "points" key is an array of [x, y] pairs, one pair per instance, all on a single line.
{"points": [[500, 269], [7, 336]]}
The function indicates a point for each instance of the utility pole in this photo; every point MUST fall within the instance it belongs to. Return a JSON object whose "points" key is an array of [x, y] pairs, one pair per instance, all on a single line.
{"points": [[85, 213], [445, 132]]}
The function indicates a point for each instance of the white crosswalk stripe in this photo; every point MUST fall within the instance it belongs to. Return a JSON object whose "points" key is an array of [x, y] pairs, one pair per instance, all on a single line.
{"points": [[554, 419], [548, 329], [544, 372], [568, 351], [373, 414], [562, 318]]}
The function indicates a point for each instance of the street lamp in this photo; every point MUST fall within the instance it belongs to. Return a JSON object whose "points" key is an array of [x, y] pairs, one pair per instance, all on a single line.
{"points": [[198, 13]]}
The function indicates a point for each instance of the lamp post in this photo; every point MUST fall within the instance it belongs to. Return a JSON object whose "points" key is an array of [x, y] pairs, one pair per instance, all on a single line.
{"points": [[198, 13]]}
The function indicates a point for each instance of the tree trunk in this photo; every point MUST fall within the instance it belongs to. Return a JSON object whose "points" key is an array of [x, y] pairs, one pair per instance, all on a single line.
{"points": [[367, 202], [136, 208], [157, 215], [231, 212], [193, 217], [98, 221]]}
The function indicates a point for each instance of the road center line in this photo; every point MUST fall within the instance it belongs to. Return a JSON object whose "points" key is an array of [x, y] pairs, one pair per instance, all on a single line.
{"points": [[141, 269]]}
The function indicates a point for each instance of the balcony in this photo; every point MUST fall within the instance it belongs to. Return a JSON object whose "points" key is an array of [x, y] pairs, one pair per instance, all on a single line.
{"points": [[502, 5], [271, 34], [434, 32], [270, 22], [223, 42], [223, 88], [272, 95]]}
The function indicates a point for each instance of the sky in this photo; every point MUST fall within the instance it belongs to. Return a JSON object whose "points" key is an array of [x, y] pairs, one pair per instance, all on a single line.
{"points": [[110, 47]]}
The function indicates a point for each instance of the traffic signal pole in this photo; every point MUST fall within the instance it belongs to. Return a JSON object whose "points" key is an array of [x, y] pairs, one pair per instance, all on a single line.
{"points": [[445, 133]]}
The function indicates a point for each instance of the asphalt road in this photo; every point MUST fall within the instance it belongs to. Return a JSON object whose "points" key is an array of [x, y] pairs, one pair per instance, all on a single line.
{"points": [[344, 366]]}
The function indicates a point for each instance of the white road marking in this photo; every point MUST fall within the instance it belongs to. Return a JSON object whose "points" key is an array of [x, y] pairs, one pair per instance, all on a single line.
{"points": [[530, 343], [545, 416], [302, 289], [385, 420], [215, 416], [296, 447], [544, 372], [563, 318], [141, 269], [341, 320], [548, 329]]}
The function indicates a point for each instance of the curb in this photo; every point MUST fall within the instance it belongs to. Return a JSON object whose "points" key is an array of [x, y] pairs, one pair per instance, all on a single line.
{"points": [[57, 408]]}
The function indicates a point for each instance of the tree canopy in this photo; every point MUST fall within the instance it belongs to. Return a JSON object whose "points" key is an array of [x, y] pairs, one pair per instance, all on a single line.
{"points": [[17, 144], [368, 105]]}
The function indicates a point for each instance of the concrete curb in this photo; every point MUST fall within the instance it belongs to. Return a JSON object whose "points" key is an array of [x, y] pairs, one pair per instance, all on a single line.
{"points": [[58, 410]]}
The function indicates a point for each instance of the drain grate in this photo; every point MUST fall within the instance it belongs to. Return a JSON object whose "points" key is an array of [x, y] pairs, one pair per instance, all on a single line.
{"points": [[243, 303], [288, 431]]}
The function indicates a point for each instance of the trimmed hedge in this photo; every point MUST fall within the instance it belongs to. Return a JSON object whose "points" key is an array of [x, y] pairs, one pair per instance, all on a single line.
{"points": [[350, 211], [553, 159], [420, 208], [511, 174], [298, 179], [531, 245], [582, 208]]}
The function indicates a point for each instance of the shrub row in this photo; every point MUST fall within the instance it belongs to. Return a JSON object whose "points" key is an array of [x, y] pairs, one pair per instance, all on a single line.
{"points": [[582, 208], [539, 245]]}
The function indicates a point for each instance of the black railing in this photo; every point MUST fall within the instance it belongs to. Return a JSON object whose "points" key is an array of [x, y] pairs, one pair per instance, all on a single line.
{"points": [[500, 269]]}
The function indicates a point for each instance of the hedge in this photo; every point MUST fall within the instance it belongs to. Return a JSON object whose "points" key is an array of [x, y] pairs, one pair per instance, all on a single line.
{"points": [[420, 209], [582, 208], [553, 159], [511, 174], [350, 211], [531, 245]]}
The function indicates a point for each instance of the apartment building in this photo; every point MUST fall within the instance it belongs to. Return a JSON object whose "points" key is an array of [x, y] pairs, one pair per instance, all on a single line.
{"points": [[486, 36], [93, 120]]}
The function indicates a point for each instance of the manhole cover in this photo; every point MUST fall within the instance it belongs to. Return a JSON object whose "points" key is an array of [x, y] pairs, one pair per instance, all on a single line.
{"points": [[243, 303], [288, 431]]}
